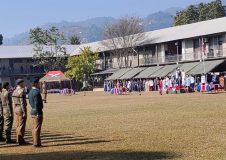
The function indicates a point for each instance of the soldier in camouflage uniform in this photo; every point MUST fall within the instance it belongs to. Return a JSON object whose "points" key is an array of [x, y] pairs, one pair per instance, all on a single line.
{"points": [[20, 108], [1, 118], [6, 99]]}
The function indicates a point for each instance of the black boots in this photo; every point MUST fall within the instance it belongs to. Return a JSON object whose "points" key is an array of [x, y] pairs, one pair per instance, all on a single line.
{"points": [[21, 141], [2, 139], [8, 138]]}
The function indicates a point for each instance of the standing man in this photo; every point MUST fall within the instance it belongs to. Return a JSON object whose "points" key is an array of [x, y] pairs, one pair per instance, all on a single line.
{"points": [[44, 91], [1, 118], [35, 100], [6, 99], [20, 107]]}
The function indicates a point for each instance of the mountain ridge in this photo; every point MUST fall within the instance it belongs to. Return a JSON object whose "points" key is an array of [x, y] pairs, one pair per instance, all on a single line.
{"points": [[91, 30]]}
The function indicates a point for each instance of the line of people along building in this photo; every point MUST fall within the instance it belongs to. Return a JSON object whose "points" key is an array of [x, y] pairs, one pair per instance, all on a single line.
{"points": [[176, 83]]}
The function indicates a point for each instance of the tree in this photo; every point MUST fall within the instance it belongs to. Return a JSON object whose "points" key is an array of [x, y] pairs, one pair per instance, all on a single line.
{"points": [[48, 48], [200, 12], [82, 66], [1, 39], [122, 38], [75, 40]]}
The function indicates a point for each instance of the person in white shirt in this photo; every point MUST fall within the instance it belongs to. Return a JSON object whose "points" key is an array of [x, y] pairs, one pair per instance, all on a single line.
{"points": [[170, 83], [203, 79], [151, 84], [129, 86], [147, 86], [192, 80], [167, 82]]}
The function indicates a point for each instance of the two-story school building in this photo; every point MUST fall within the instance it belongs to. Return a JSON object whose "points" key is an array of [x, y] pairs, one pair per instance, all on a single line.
{"points": [[165, 49], [202, 41]]}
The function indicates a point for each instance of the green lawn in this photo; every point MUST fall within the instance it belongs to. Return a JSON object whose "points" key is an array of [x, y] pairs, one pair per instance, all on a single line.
{"points": [[100, 126]]}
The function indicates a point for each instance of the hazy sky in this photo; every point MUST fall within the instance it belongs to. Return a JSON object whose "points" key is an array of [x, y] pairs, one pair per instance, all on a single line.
{"points": [[20, 15]]}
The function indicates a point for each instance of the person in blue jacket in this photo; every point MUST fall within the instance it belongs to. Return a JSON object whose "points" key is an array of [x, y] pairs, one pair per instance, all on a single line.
{"points": [[36, 103]]}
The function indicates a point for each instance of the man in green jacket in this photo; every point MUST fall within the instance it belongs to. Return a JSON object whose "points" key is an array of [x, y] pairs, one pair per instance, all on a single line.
{"points": [[35, 100]]}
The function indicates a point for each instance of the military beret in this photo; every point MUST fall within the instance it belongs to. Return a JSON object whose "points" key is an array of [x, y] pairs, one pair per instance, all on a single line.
{"points": [[5, 84], [34, 80], [18, 81]]}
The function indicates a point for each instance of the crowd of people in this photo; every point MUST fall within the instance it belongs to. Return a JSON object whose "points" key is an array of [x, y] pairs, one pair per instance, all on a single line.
{"points": [[179, 81], [13, 103]]}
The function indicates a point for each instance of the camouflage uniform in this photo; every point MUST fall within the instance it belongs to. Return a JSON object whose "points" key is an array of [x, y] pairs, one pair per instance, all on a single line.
{"points": [[7, 112], [20, 107]]}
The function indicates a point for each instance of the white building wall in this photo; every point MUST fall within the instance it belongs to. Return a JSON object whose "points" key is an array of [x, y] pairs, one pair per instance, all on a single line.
{"points": [[224, 46], [115, 63]]}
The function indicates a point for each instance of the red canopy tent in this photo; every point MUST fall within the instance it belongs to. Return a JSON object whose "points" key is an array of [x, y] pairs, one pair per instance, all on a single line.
{"points": [[55, 76]]}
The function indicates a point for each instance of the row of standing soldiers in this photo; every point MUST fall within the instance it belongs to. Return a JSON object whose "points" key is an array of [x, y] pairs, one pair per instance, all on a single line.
{"points": [[16, 104]]}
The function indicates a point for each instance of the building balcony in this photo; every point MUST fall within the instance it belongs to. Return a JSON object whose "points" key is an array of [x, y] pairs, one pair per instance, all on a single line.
{"points": [[173, 58], [215, 54], [7, 72]]}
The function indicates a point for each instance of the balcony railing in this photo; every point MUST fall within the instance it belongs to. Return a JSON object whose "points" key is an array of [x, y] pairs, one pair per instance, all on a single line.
{"points": [[152, 59], [173, 58], [216, 54]]}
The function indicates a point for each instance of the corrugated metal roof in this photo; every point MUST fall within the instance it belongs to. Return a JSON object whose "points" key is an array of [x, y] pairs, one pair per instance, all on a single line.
{"points": [[168, 34], [147, 72], [118, 74], [25, 51], [109, 71], [186, 67], [132, 73], [164, 71], [209, 66]]}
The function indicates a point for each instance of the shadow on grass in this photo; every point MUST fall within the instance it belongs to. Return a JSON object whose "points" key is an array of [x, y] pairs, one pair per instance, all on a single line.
{"points": [[94, 155], [55, 140]]}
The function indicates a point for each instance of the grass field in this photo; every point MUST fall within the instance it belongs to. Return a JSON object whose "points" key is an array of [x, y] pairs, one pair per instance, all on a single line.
{"points": [[100, 126]]}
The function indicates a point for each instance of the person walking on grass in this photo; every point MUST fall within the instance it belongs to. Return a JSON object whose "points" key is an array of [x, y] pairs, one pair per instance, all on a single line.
{"points": [[35, 100]]}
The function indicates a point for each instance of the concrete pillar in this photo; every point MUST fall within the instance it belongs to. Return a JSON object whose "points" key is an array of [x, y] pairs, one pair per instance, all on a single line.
{"points": [[156, 54], [162, 53], [183, 50]]}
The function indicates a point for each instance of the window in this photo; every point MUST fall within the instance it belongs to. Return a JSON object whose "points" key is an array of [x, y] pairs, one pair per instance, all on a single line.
{"points": [[196, 44]]}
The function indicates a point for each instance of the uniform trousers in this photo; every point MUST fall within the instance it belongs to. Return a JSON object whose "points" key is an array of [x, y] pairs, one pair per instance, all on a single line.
{"points": [[21, 126], [36, 129], [1, 126], [8, 120]]}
